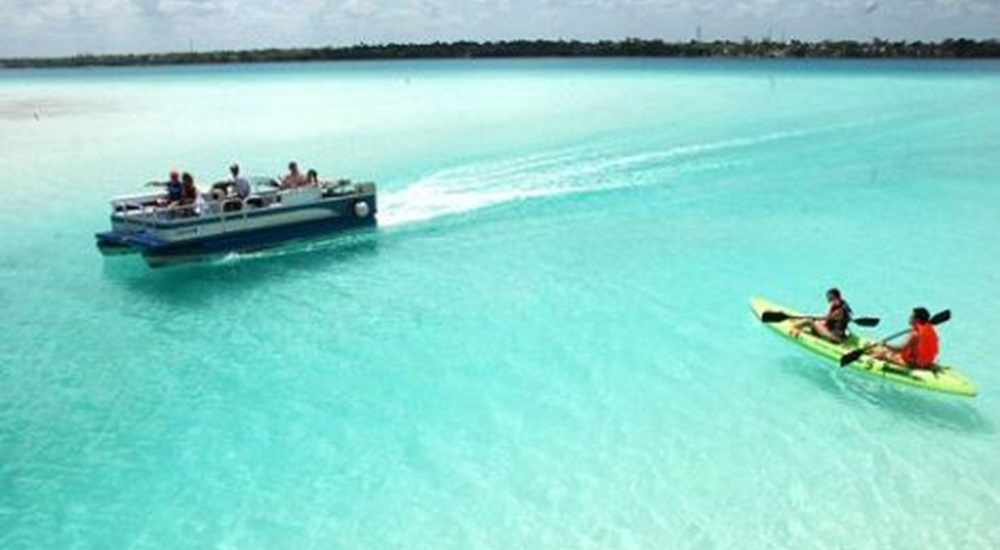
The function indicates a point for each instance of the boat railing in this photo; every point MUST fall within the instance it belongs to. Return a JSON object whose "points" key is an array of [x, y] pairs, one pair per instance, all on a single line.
{"points": [[126, 203], [153, 207]]}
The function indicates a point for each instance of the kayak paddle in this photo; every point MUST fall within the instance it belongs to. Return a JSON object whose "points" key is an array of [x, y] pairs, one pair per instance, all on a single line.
{"points": [[779, 316], [848, 358]]}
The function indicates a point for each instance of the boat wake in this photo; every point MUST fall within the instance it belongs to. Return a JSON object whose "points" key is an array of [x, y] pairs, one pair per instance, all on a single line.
{"points": [[472, 187], [477, 186]]}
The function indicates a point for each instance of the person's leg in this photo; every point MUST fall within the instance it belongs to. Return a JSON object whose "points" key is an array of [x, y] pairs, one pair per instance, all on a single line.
{"points": [[799, 327], [822, 331], [886, 353]]}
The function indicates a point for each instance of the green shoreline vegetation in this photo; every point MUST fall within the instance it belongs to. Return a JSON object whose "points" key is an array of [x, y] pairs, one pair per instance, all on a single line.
{"points": [[961, 48]]}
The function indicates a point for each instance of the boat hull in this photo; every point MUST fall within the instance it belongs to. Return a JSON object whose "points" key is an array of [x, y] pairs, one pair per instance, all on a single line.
{"points": [[190, 238]]}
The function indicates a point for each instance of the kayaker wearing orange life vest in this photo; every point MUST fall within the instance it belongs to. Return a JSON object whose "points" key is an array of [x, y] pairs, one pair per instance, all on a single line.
{"points": [[834, 326], [921, 350]]}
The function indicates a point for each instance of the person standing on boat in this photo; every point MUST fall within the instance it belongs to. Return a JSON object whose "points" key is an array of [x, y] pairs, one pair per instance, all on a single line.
{"points": [[921, 350], [295, 178], [239, 185], [834, 326]]}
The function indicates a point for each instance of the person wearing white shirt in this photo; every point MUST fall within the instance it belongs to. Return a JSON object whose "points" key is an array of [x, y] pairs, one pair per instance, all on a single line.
{"points": [[240, 186]]}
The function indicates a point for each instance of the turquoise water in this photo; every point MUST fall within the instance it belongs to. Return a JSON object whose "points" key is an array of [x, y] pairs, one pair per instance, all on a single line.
{"points": [[546, 344]]}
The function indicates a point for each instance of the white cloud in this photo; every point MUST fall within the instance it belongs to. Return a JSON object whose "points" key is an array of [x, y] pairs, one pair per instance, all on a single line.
{"points": [[359, 9], [23, 14], [196, 8], [69, 26], [493, 5], [401, 17]]}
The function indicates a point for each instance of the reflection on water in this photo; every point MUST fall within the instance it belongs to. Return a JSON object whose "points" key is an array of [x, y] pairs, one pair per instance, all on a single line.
{"points": [[921, 407], [234, 271]]}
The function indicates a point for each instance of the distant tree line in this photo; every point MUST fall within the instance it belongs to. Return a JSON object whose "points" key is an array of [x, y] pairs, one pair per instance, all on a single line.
{"points": [[961, 48]]}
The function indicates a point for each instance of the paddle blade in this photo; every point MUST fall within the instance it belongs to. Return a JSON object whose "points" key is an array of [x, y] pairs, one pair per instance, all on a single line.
{"points": [[941, 317], [851, 357], [773, 316], [866, 321]]}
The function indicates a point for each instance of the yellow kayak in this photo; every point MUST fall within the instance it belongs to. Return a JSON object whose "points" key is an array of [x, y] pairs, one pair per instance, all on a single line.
{"points": [[944, 379]]}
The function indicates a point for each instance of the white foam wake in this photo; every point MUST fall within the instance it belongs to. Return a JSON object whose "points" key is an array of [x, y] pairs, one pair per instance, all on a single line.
{"points": [[472, 187]]}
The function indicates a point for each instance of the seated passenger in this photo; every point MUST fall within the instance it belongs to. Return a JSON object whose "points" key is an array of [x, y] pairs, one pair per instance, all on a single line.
{"points": [[921, 350], [174, 189], [833, 327], [189, 195], [240, 187], [312, 178], [294, 178], [236, 186]]}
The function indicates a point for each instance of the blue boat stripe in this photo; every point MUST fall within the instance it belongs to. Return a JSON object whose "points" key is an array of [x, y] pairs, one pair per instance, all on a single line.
{"points": [[329, 204]]}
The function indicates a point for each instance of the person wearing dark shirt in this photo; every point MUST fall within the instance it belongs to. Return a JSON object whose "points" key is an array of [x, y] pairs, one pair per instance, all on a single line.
{"points": [[834, 326], [189, 196], [173, 186]]}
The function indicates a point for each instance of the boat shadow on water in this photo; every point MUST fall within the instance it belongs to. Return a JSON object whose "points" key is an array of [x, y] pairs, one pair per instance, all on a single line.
{"points": [[237, 272], [922, 407]]}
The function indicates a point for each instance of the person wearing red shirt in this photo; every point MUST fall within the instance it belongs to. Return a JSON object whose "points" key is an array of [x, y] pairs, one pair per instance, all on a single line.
{"points": [[921, 350]]}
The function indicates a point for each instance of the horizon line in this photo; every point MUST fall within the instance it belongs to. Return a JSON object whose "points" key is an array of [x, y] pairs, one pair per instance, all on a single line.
{"points": [[626, 47]]}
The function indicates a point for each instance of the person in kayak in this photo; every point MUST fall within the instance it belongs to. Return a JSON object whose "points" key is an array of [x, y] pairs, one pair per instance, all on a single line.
{"points": [[834, 326], [921, 350]]}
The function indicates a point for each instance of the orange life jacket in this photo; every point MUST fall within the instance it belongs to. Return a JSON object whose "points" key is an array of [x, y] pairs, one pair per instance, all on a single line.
{"points": [[921, 350]]}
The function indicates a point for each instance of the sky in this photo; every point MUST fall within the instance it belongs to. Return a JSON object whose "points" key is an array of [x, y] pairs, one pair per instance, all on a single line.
{"points": [[70, 27]]}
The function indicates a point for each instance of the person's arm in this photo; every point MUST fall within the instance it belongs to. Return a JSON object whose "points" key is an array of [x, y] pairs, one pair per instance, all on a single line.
{"points": [[909, 349], [835, 316]]}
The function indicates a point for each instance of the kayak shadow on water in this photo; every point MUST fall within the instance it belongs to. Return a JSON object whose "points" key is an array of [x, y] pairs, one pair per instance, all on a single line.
{"points": [[235, 273], [919, 406]]}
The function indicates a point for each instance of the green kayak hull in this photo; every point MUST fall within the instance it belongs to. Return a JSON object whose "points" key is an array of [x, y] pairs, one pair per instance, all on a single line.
{"points": [[945, 379]]}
